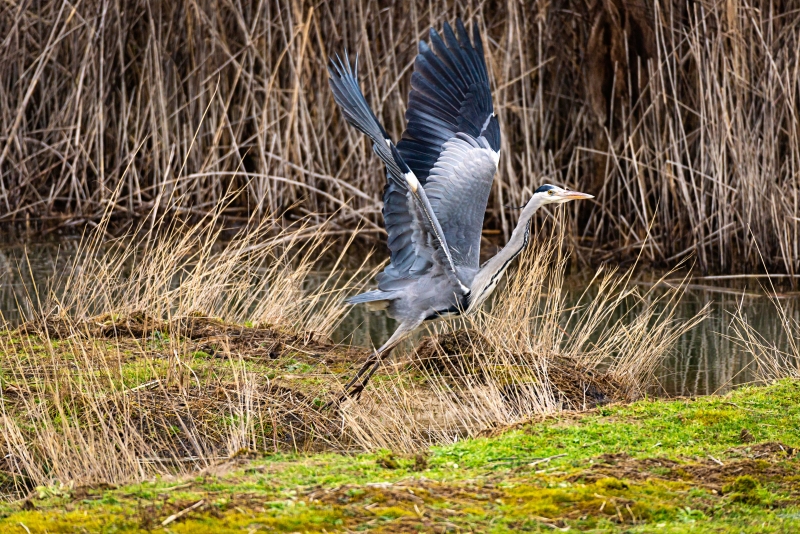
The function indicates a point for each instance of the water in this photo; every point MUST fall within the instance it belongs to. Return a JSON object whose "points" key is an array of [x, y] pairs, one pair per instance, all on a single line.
{"points": [[706, 360], [25, 270]]}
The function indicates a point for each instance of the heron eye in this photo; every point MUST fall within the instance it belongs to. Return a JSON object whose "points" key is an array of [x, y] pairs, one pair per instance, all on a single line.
{"points": [[551, 192]]}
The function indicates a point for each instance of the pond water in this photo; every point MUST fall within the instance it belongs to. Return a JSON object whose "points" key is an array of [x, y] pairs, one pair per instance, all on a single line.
{"points": [[705, 360]]}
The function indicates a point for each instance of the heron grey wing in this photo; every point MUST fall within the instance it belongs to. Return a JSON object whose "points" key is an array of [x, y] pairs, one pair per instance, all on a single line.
{"points": [[356, 111], [450, 94], [423, 255], [407, 238], [458, 189], [401, 179]]}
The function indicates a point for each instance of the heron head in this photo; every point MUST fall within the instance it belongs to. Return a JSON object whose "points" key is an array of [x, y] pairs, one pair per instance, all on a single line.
{"points": [[552, 194]]}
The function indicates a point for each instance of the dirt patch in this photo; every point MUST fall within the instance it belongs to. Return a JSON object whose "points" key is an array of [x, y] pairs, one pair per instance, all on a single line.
{"points": [[90, 491], [183, 393], [581, 387], [466, 356], [463, 356], [414, 504], [210, 335], [764, 462], [457, 355], [770, 449]]}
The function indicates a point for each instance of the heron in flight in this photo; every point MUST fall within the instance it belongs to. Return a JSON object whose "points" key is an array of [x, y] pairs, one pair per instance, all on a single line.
{"points": [[438, 181]]}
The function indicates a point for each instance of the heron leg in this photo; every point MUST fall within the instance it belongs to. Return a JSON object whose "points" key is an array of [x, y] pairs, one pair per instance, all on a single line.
{"points": [[356, 384]]}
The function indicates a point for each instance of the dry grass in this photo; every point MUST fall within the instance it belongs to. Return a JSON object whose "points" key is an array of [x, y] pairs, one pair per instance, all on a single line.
{"points": [[131, 365], [677, 112], [528, 355], [176, 350], [771, 361]]}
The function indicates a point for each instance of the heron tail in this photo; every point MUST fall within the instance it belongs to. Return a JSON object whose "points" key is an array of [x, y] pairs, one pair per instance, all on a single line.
{"points": [[375, 299]]}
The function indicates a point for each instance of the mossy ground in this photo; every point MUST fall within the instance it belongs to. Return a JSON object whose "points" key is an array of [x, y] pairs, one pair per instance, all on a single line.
{"points": [[135, 375], [714, 464]]}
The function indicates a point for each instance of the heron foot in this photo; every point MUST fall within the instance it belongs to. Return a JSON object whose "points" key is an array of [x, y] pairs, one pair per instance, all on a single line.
{"points": [[354, 392]]}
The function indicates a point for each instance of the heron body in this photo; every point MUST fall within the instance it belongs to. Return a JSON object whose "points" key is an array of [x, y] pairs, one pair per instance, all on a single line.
{"points": [[439, 176]]}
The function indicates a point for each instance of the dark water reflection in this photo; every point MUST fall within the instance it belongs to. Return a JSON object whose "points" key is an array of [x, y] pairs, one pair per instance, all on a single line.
{"points": [[705, 360], [25, 272]]}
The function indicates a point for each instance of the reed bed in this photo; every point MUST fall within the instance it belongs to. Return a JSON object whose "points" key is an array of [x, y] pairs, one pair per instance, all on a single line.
{"points": [[681, 117]]}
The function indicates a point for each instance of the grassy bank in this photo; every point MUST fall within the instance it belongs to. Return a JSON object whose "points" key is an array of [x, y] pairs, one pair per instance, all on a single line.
{"points": [[175, 374], [162, 355], [704, 465]]}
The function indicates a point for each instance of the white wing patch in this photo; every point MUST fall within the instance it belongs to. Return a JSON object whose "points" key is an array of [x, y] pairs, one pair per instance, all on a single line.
{"points": [[495, 157], [486, 122], [412, 181]]}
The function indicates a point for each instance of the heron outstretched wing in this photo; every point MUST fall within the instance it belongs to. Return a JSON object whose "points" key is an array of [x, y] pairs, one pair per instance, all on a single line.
{"points": [[416, 239], [458, 188], [452, 141]]}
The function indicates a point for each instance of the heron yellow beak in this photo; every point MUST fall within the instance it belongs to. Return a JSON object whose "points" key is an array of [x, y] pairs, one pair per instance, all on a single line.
{"points": [[575, 195]]}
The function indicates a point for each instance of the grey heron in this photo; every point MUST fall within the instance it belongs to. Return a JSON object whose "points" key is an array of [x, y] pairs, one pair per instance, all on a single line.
{"points": [[439, 176]]}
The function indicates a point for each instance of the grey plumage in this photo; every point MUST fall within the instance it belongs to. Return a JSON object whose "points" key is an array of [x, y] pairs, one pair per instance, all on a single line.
{"points": [[439, 177]]}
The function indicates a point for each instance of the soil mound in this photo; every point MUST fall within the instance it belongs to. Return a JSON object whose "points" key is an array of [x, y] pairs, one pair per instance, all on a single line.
{"points": [[208, 334], [765, 462], [466, 356]]}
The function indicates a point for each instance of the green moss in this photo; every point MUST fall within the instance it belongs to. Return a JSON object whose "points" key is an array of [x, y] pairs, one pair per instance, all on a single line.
{"points": [[644, 467], [611, 483], [743, 489], [742, 484]]}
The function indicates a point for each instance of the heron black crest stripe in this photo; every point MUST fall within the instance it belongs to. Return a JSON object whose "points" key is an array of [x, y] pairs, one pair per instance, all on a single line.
{"points": [[544, 188]]}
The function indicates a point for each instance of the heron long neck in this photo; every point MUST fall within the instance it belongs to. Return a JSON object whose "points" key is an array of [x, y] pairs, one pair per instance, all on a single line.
{"points": [[492, 271]]}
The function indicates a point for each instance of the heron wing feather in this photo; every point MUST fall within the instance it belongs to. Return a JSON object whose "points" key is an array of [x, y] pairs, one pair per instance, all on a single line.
{"points": [[458, 188], [450, 94], [452, 140], [416, 238]]}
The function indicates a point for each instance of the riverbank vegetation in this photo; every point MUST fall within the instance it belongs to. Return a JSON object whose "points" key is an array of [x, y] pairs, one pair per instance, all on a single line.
{"points": [[771, 361], [179, 372], [712, 464], [681, 117], [166, 350]]}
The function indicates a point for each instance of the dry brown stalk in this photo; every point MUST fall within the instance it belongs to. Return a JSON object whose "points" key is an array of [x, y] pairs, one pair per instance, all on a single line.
{"points": [[681, 113]]}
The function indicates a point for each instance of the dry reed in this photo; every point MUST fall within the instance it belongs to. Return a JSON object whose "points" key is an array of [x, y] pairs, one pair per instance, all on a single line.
{"points": [[131, 364], [769, 360], [681, 113]]}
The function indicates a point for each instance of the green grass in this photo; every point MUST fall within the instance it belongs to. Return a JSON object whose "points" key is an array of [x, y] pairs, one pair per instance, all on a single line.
{"points": [[653, 466]]}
